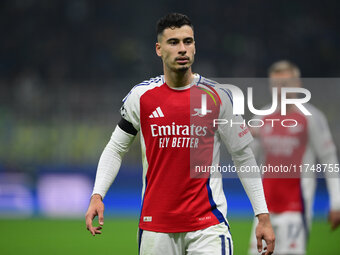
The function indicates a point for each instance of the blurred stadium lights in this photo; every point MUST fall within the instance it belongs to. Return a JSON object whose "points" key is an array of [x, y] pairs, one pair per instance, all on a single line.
{"points": [[63, 195], [16, 196]]}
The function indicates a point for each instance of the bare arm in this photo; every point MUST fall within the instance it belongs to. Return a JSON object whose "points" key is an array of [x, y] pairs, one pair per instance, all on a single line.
{"points": [[325, 149], [333, 186]]}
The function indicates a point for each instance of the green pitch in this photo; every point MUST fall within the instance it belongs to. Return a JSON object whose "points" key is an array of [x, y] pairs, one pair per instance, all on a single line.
{"points": [[42, 236]]}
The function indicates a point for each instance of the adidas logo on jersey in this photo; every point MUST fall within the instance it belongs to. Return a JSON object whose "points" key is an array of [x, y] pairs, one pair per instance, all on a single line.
{"points": [[157, 113]]}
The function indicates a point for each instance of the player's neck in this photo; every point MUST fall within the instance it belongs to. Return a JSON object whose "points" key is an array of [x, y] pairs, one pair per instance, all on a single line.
{"points": [[289, 107], [178, 79]]}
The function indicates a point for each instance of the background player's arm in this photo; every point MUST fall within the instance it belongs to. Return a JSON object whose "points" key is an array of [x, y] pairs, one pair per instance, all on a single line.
{"points": [[252, 184], [323, 145], [333, 186], [107, 171]]}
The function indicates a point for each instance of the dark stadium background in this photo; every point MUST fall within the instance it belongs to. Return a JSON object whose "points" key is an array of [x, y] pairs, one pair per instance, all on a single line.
{"points": [[66, 65]]}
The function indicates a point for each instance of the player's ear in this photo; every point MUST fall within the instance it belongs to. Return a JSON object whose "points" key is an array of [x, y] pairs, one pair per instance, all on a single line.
{"points": [[194, 48], [158, 49], [299, 83]]}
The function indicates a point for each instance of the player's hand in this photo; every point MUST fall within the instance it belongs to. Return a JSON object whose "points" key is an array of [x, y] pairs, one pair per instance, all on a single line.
{"points": [[264, 230], [96, 208], [334, 219]]}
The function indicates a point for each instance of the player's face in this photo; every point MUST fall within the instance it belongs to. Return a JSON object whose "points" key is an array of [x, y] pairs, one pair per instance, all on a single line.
{"points": [[176, 47], [284, 79]]}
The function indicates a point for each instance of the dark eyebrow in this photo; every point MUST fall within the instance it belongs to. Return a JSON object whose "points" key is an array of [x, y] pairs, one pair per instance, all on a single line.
{"points": [[176, 39], [172, 39], [188, 38]]}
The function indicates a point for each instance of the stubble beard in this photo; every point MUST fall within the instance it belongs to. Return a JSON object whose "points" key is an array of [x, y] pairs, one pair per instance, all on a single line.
{"points": [[182, 69]]}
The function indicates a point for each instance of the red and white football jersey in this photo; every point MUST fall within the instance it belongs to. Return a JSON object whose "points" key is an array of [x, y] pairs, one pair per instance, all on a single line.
{"points": [[297, 148], [176, 137]]}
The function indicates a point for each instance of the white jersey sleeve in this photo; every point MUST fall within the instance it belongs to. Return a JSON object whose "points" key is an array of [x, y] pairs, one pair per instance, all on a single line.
{"points": [[251, 182], [122, 137], [110, 160], [319, 133], [235, 134], [322, 144], [130, 109]]}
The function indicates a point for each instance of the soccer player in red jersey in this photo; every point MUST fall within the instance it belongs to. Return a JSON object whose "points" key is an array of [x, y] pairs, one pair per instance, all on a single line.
{"points": [[290, 196], [181, 214]]}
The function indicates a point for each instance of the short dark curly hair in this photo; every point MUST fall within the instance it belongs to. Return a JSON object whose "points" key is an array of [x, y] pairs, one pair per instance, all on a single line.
{"points": [[173, 20]]}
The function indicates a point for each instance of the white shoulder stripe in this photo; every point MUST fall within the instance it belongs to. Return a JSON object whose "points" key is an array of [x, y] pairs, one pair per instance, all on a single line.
{"points": [[208, 82], [146, 85]]}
